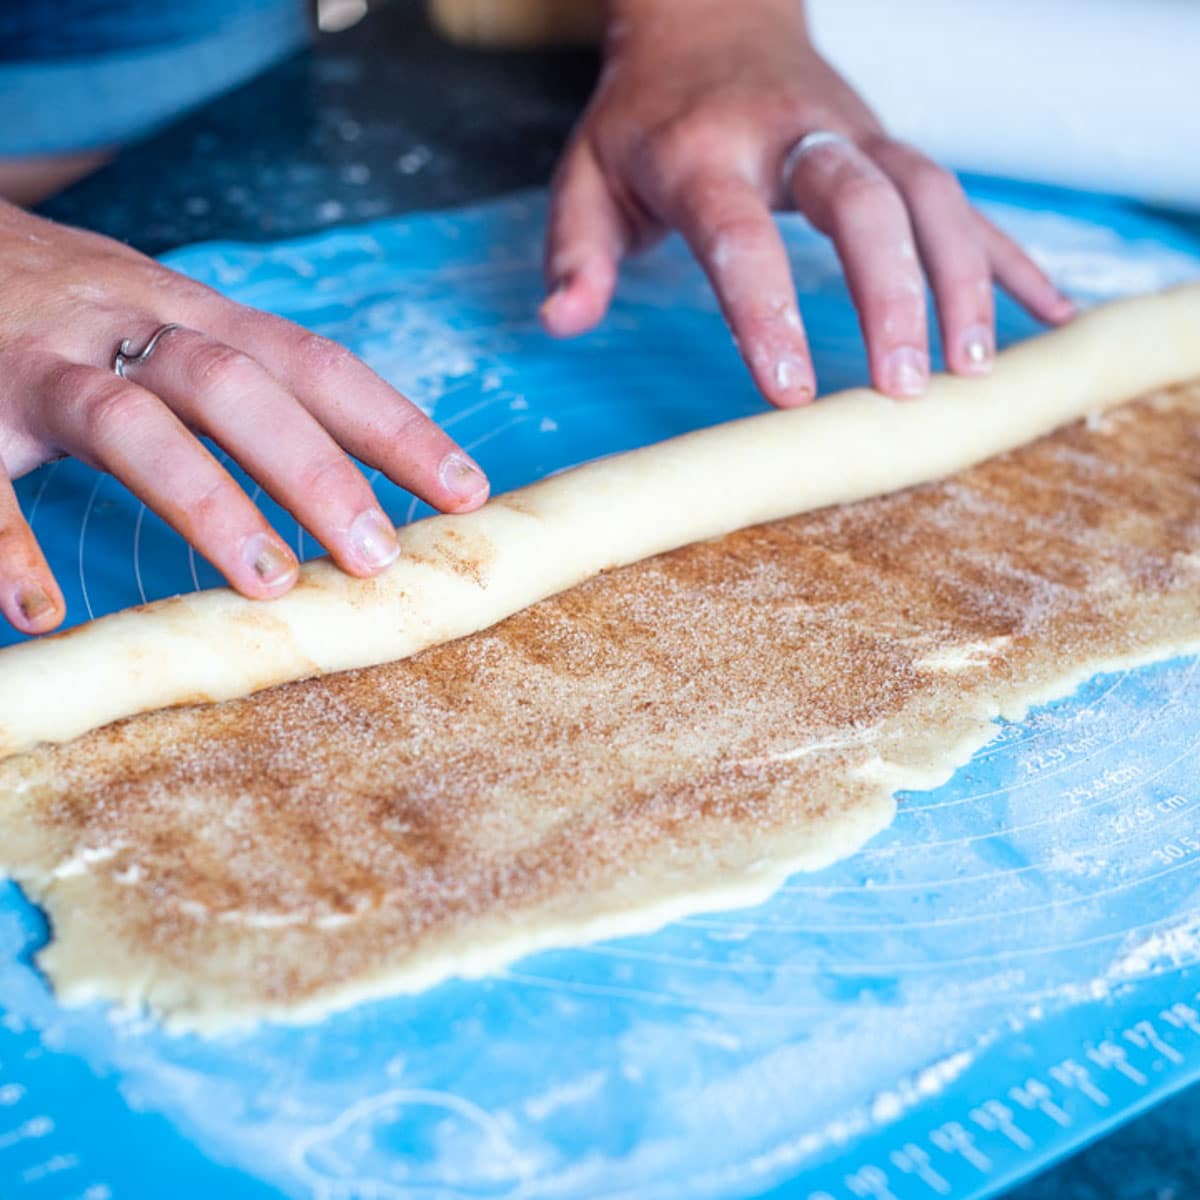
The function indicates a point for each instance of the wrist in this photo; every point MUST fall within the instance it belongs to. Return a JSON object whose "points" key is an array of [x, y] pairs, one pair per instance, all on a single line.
{"points": [[688, 18], [690, 10]]}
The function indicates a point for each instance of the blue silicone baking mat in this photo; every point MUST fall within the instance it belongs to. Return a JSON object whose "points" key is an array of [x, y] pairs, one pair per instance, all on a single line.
{"points": [[1009, 970]]}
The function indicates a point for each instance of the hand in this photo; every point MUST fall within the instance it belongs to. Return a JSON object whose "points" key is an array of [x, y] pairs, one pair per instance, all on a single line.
{"points": [[283, 402], [698, 107]]}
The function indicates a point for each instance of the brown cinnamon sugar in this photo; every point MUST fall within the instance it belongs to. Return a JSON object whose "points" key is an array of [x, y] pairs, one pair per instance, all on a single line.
{"points": [[652, 738]]}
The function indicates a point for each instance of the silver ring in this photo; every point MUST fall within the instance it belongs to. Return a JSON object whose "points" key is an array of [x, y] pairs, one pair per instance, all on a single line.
{"points": [[125, 357], [810, 141]]}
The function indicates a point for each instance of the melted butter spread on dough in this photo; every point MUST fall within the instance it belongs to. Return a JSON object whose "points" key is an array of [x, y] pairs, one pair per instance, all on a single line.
{"points": [[668, 737]]}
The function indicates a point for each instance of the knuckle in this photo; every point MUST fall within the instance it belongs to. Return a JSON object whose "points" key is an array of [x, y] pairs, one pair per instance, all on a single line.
{"points": [[14, 533], [408, 423], [319, 355], [861, 197], [179, 288], [328, 475], [216, 367], [727, 233], [897, 306], [973, 282], [666, 141], [670, 146], [930, 184], [878, 144], [112, 407], [215, 495]]}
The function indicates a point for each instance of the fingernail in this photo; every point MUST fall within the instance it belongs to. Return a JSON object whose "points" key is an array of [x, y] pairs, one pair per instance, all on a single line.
{"points": [[33, 601], [551, 301], [269, 560], [461, 477], [373, 539], [792, 379], [906, 372], [1066, 308], [978, 349]]}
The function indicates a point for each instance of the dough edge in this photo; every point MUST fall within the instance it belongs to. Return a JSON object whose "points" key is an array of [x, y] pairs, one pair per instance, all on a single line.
{"points": [[88, 970]]}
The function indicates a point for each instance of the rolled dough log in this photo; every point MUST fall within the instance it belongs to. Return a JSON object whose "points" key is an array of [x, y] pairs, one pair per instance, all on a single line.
{"points": [[460, 574]]}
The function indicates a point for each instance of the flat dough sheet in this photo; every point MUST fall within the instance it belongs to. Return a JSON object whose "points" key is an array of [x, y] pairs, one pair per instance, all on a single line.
{"points": [[673, 736]]}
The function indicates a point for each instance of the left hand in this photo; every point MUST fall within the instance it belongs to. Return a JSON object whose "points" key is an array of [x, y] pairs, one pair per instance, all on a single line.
{"points": [[690, 128]]}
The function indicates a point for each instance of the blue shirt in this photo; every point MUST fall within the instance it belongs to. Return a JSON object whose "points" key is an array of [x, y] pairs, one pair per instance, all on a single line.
{"points": [[82, 74]]}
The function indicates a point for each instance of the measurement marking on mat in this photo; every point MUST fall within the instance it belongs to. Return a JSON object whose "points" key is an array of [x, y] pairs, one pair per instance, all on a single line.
{"points": [[1071, 1074], [31, 1157], [1177, 850], [914, 1160], [992, 1116], [55, 1165], [1142, 816], [1029, 1115], [869, 1183], [1144, 1036], [1112, 1057]]}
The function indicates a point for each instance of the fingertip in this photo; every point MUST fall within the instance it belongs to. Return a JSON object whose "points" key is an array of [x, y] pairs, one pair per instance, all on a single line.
{"points": [[266, 567], [464, 486], [35, 606], [573, 308], [554, 314], [370, 544], [1026, 281], [1053, 309], [903, 374], [775, 349], [475, 502], [791, 382], [797, 398], [1041, 297], [973, 353], [1061, 309]]}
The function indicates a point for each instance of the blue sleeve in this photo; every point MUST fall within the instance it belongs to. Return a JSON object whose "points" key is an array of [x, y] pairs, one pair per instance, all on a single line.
{"points": [[91, 73]]}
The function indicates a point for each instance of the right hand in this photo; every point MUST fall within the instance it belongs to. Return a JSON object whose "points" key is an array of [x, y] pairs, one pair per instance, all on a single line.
{"points": [[692, 127], [288, 405]]}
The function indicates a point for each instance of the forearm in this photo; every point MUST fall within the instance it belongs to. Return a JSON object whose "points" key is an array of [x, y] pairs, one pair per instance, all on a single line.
{"points": [[29, 180]]}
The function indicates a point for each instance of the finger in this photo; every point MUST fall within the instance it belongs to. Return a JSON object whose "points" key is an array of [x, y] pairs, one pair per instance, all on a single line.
{"points": [[955, 258], [586, 238], [848, 197], [732, 234], [1022, 278], [121, 428], [361, 411], [29, 595], [227, 396]]}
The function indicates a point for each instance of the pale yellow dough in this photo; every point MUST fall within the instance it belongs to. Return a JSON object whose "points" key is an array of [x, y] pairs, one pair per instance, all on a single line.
{"points": [[460, 574], [676, 735]]}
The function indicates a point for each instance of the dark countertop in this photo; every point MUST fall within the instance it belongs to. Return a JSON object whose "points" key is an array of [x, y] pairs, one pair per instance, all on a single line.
{"points": [[387, 118], [381, 119]]}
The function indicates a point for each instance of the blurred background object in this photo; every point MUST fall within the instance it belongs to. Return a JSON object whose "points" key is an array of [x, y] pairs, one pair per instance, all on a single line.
{"points": [[1090, 94], [518, 23], [335, 15]]}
